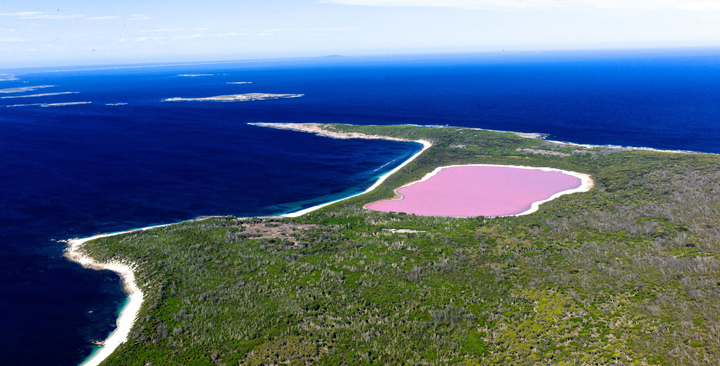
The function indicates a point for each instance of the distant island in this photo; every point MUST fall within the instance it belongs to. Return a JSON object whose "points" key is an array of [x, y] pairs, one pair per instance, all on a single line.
{"points": [[236, 97], [47, 104], [625, 273], [24, 89], [37, 95]]}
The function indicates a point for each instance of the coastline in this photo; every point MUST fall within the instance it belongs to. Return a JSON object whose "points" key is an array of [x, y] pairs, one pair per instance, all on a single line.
{"points": [[317, 128], [380, 180], [586, 184], [130, 310], [628, 148]]}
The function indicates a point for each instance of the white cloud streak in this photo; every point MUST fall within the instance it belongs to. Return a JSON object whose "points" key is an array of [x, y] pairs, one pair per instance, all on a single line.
{"points": [[689, 5], [26, 15], [141, 17], [107, 17], [53, 16], [20, 14]]}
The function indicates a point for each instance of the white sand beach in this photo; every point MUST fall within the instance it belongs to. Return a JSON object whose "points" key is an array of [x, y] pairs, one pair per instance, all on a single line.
{"points": [[131, 309]]}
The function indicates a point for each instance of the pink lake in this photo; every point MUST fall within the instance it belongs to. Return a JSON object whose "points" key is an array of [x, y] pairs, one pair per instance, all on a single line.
{"points": [[465, 191]]}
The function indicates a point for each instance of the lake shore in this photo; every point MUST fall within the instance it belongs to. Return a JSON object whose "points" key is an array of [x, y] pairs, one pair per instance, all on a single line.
{"points": [[586, 183]]}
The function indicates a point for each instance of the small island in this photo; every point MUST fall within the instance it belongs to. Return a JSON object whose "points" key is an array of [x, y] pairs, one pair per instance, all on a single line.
{"points": [[23, 89], [248, 97], [38, 95], [627, 272], [44, 105]]}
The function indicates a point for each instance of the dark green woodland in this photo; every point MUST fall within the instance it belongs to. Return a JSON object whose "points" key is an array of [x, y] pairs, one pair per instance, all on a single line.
{"points": [[628, 273]]}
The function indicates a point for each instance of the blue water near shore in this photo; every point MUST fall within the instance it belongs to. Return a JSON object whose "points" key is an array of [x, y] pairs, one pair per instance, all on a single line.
{"points": [[77, 170]]}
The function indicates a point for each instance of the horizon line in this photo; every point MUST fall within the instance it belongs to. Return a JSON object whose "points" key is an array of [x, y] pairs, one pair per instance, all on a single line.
{"points": [[130, 65]]}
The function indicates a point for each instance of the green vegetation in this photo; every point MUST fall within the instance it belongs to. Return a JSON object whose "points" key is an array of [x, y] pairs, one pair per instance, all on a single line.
{"points": [[627, 273]]}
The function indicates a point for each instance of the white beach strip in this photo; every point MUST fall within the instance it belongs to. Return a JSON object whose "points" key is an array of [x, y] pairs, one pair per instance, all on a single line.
{"points": [[317, 129], [131, 309], [426, 145], [585, 185]]}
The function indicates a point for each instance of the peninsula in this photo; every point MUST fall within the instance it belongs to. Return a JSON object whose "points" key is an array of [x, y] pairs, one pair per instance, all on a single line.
{"points": [[625, 273], [235, 97]]}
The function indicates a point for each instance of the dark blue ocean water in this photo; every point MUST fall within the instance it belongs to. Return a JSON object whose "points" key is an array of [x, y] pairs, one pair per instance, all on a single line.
{"points": [[70, 171]]}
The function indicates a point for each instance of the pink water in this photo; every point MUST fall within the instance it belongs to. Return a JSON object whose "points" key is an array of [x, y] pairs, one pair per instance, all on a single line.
{"points": [[478, 191]]}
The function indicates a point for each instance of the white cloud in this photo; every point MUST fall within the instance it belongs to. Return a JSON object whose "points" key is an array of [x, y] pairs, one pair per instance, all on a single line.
{"points": [[230, 34], [196, 35], [140, 17], [53, 16], [693, 5], [20, 13], [107, 17], [164, 30]]}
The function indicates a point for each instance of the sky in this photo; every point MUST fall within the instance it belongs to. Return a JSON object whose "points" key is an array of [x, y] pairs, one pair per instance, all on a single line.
{"points": [[82, 32]]}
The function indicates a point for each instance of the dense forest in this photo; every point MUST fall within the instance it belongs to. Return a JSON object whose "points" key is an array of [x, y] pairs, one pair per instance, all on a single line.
{"points": [[627, 273]]}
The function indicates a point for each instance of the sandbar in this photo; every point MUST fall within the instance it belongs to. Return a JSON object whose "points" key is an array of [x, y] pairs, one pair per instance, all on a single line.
{"points": [[483, 190]]}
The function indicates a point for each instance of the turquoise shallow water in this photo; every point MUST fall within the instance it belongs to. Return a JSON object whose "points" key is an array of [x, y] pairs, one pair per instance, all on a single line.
{"points": [[79, 170]]}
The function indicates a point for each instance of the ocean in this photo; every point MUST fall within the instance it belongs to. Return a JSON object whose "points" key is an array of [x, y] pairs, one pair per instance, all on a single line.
{"points": [[127, 159]]}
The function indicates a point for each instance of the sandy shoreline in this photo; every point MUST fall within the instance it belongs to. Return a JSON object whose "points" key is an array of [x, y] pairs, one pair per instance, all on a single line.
{"points": [[380, 180], [318, 130], [129, 313], [135, 296]]}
